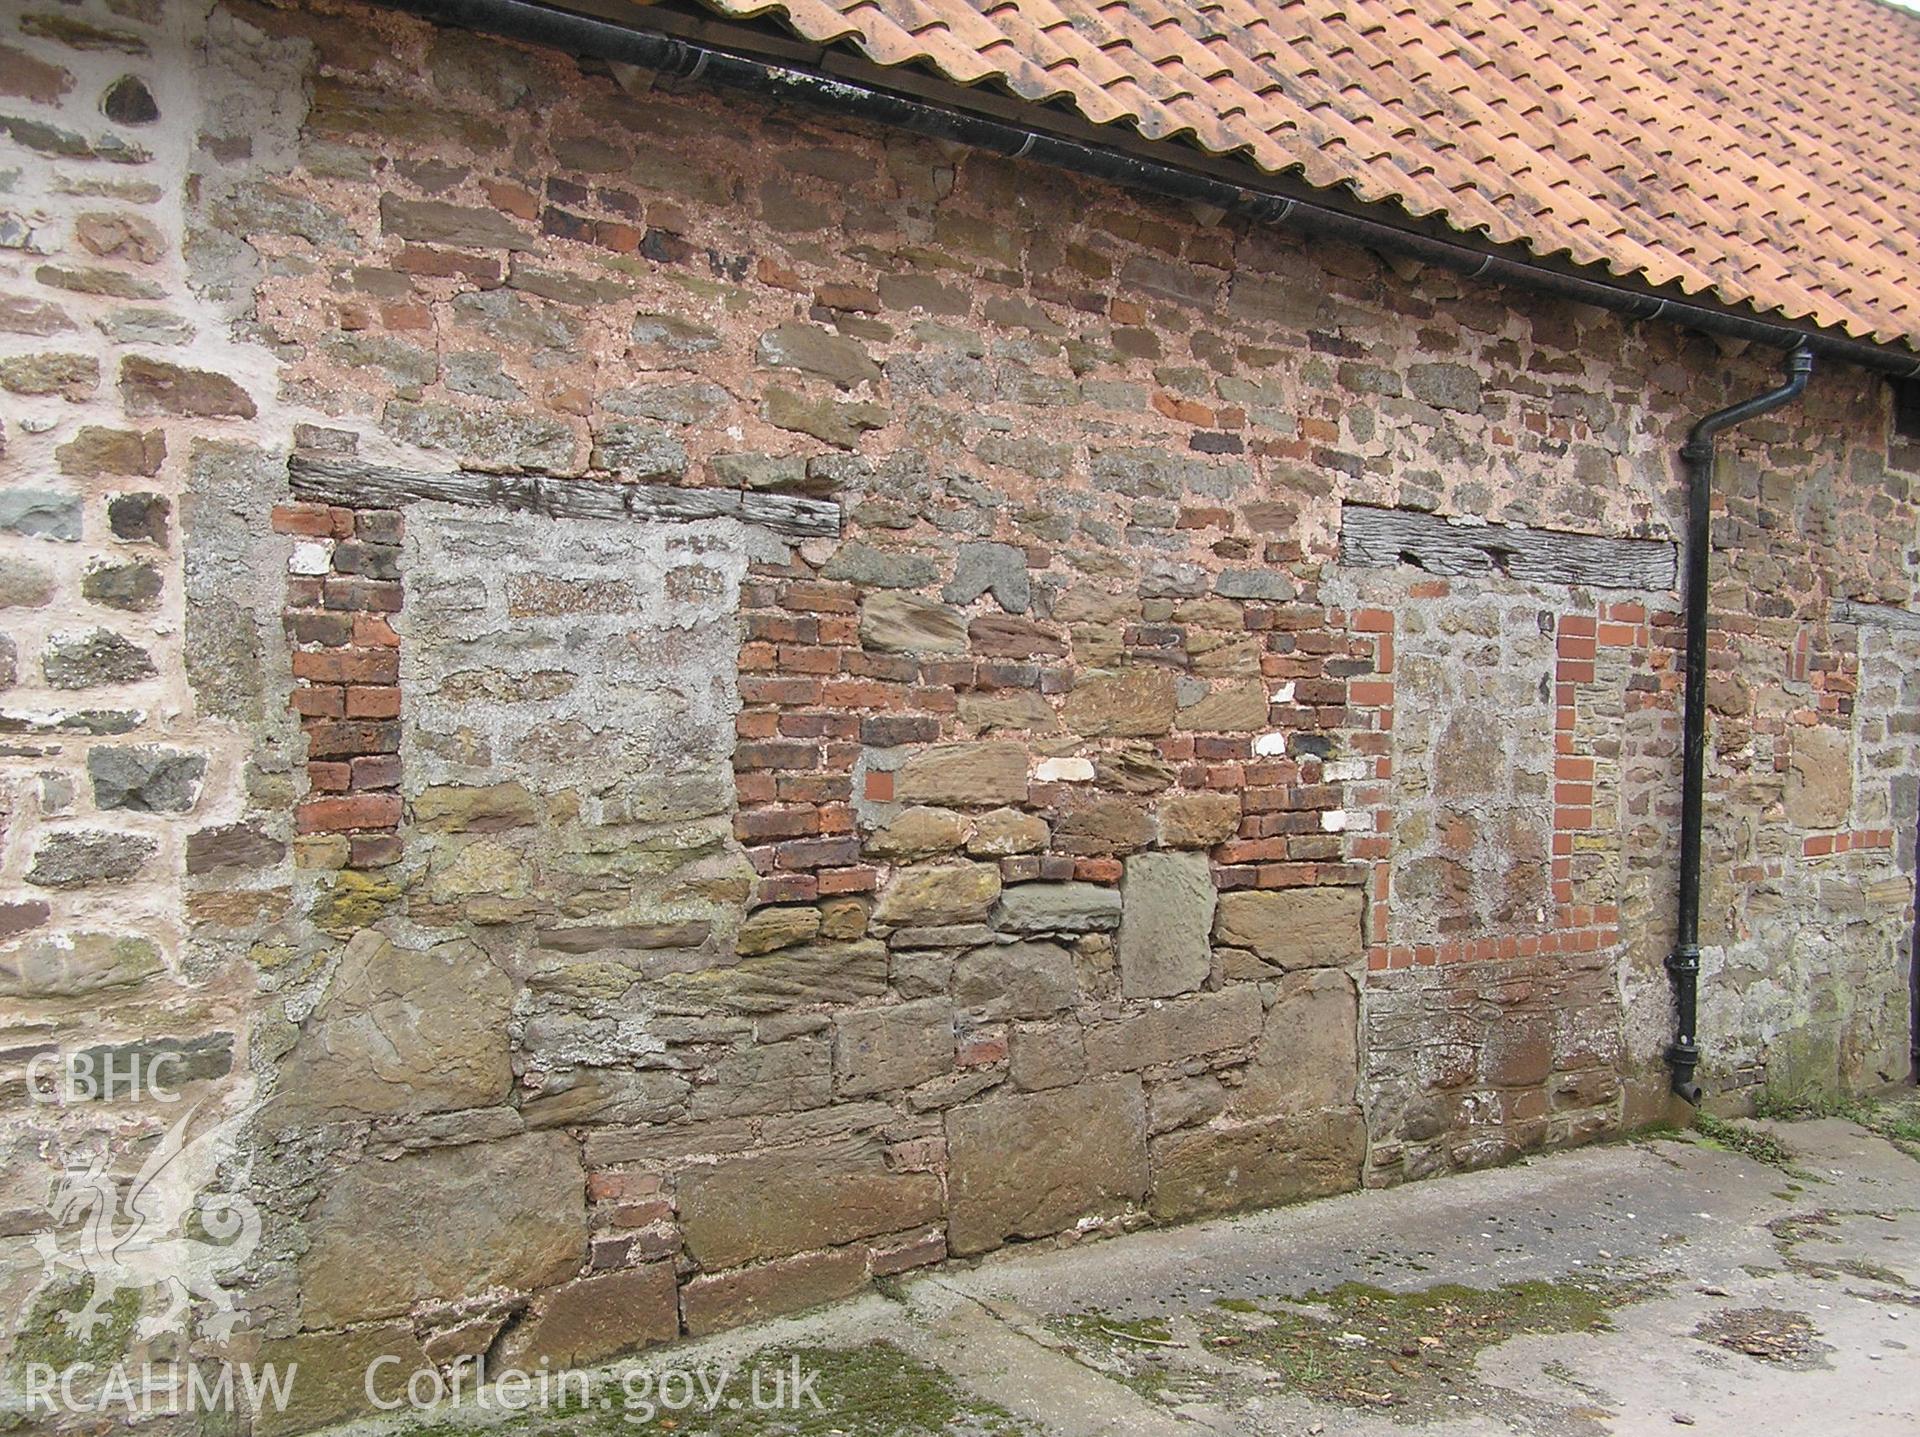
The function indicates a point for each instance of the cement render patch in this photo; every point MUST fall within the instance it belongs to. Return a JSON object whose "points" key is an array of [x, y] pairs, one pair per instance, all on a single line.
{"points": [[1107, 1338]]}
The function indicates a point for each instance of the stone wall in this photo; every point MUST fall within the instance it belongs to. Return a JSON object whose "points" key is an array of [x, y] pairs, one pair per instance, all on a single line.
{"points": [[576, 932]]}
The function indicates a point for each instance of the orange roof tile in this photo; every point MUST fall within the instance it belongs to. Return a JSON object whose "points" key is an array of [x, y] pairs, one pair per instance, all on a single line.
{"points": [[1759, 152]]}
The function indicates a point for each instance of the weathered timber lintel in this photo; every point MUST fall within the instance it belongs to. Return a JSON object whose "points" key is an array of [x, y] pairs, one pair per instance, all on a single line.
{"points": [[356, 485], [1385, 537], [1890, 616]]}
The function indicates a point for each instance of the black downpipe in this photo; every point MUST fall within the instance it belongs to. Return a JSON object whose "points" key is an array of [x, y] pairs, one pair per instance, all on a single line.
{"points": [[1684, 962], [675, 58]]}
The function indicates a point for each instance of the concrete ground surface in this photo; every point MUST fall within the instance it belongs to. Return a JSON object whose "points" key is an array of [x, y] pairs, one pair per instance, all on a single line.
{"points": [[1764, 1279]]}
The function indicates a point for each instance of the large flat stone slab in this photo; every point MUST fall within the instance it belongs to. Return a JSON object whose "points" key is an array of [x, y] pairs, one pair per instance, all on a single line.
{"points": [[1167, 902], [1031, 1164], [401, 1030], [442, 1224], [1309, 1050], [1203, 1171], [1173, 1031], [1293, 927], [1058, 908], [765, 1205]]}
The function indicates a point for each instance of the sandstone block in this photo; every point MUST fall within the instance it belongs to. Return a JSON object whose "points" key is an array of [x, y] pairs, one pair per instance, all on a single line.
{"points": [[1204, 1171], [1293, 927], [1058, 908], [1007, 831], [176, 1062], [1136, 769], [770, 929], [1198, 820], [1230, 708], [878, 1050], [1000, 636], [1819, 778], [401, 1030], [69, 965], [443, 1224], [96, 451], [964, 775], [80, 858], [331, 1375], [1015, 980], [828, 420], [21, 314], [1136, 703], [797, 977], [594, 1318], [919, 832], [1308, 1054], [1101, 824], [814, 350], [770, 1204], [1167, 904], [907, 624], [1046, 1055], [1184, 1102], [72, 376], [1022, 710], [765, 1077], [25, 584], [942, 893], [455, 808], [1031, 1164], [1172, 1031], [150, 386], [436, 222], [714, 1302]]}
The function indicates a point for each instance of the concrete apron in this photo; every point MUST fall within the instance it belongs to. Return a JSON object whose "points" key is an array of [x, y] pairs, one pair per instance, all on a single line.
{"points": [[1756, 1297]]}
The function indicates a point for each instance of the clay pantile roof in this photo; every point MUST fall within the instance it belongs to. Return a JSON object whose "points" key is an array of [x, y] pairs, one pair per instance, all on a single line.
{"points": [[1760, 152]]}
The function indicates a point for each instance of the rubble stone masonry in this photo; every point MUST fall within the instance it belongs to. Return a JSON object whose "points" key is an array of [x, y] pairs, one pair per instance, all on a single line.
{"points": [[575, 932]]}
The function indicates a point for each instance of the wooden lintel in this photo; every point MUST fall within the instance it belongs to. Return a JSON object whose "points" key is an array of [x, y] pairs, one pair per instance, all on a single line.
{"points": [[353, 484], [1889, 616], [1384, 537]]}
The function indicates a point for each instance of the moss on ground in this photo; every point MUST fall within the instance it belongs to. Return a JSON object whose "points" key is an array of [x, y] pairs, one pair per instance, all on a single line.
{"points": [[1897, 1119], [1738, 1138], [1388, 1349], [1409, 1353]]}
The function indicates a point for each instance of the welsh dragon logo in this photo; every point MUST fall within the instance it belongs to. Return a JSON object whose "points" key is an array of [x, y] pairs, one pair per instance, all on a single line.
{"points": [[162, 1231]]}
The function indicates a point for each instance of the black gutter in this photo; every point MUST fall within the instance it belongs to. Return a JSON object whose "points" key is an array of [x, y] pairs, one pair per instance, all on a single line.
{"points": [[684, 59], [1684, 962]]}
